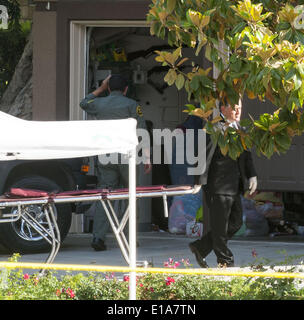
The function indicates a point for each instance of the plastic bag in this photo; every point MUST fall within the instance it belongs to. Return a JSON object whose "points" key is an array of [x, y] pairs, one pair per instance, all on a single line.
{"points": [[255, 220], [247, 203], [183, 210], [264, 208], [275, 212]]}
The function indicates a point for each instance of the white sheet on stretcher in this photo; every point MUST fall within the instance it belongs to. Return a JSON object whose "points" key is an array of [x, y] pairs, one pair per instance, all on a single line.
{"points": [[23, 139]]}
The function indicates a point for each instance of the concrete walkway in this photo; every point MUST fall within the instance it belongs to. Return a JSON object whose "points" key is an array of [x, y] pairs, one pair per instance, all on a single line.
{"points": [[158, 247]]}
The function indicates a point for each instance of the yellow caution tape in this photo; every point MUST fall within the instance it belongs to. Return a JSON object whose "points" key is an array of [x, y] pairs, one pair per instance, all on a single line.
{"points": [[97, 268]]}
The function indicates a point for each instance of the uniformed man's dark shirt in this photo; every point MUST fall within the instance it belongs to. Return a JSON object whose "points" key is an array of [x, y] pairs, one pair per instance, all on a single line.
{"points": [[114, 106]]}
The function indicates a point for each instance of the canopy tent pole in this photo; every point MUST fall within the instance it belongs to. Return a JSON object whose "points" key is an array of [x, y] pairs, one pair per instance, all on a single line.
{"points": [[132, 223]]}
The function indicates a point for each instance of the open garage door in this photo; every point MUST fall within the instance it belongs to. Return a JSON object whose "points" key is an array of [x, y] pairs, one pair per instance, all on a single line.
{"points": [[98, 49]]}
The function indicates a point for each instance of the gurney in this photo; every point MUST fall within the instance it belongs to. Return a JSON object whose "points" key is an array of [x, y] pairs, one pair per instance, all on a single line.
{"points": [[48, 228]]}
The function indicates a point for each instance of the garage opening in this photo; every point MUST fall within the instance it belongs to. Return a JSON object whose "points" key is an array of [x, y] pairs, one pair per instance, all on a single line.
{"points": [[103, 48]]}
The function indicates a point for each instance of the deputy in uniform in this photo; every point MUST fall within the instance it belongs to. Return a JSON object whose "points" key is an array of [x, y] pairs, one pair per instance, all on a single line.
{"points": [[114, 106]]}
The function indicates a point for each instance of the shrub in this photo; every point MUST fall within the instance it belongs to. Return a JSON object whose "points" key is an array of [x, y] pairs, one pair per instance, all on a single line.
{"points": [[17, 285]]}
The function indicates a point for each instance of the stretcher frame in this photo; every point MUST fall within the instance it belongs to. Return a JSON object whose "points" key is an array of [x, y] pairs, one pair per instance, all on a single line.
{"points": [[52, 234]]}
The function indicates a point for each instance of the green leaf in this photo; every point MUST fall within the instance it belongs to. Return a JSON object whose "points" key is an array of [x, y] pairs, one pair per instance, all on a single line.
{"points": [[202, 41], [171, 6], [269, 149], [170, 77], [260, 126], [286, 35], [297, 81], [299, 36], [245, 122], [220, 85], [206, 82], [195, 83], [154, 30], [208, 52], [290, 74], [282, 126], [283, 141], [221, 141], [180, 80], [172, 38], [283, 26], [190, 107], [300, 69], [239, 27], [264, 138], [186, 38]]}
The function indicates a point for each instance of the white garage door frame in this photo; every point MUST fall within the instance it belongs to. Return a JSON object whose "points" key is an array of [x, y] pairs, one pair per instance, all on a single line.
{"points": [[78, 75], [78, 39]]}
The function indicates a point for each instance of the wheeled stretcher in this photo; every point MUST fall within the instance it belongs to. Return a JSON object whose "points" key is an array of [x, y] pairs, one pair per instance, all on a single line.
{"points": [[21, 199]]}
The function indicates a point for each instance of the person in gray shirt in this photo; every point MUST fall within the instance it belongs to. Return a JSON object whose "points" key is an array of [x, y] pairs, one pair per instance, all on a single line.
{"points": [[112, 175]]}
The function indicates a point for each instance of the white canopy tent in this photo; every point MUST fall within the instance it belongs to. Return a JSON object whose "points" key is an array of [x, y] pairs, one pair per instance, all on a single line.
{"points": [[37, 140], [22, 139]]}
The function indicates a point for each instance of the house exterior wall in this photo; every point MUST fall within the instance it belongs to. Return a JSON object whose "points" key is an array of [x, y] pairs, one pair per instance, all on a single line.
{"points": [[51, 28], [282, 172], [44, 65]]}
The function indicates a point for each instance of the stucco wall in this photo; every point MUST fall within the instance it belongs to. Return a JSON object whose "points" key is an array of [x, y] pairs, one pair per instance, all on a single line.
{"points": [[44, 65]]}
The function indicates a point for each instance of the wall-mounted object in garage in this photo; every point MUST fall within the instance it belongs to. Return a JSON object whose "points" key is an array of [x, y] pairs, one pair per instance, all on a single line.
{"points": [[139, 76]]}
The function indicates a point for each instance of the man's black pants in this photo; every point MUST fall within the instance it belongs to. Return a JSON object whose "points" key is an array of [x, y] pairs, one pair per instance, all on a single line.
{"points": [[226, 218]]}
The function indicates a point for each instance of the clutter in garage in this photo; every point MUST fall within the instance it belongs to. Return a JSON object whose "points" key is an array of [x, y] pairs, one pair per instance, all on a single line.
{"points": [[263, 215]]}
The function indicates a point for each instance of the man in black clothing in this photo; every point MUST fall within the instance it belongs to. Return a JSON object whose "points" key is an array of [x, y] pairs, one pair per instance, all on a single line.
{"points": [[223, 181]]}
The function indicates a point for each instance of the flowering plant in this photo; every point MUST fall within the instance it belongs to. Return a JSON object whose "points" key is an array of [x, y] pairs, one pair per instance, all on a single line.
{"points": [[16, 285]]}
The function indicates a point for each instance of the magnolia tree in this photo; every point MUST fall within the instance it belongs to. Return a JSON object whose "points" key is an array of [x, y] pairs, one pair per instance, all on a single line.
{"points": [[257, 47]]}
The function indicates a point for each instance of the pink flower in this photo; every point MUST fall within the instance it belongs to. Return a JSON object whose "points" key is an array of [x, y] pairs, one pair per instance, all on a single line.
{"points": [[26, 276], [126, 278], [254, 253], [70, 293], [36, 280], [110, 276], [186, 262], [171, 263], [169, 280]]}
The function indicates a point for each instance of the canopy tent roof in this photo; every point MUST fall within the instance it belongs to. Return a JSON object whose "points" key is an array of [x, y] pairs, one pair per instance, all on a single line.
{"points": [[37, 140]]}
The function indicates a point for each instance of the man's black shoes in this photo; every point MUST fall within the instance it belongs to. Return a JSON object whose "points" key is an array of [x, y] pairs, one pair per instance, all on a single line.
{"points": [[199, 258], [225, 265], [98, 245]]}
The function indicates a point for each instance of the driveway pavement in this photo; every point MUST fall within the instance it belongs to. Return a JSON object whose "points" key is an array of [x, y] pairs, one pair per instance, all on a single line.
{"points": [[158, 247]]}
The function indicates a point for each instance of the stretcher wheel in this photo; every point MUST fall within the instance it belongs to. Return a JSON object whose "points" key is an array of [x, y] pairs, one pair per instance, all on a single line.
{"points": [[19, 236]]}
